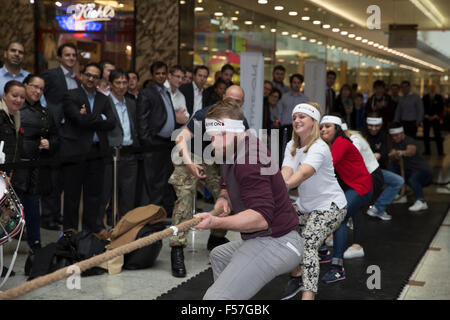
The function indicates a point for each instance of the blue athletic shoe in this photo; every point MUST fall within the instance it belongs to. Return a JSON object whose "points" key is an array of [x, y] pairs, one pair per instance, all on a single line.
{"points": [[335, 273], [325, 257]]}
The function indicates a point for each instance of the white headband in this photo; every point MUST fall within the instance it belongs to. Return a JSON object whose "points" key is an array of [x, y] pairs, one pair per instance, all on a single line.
{"points": [[228, 125], [331, 119], [396, 130], [344, 127], [374, 121], [308, 110]]}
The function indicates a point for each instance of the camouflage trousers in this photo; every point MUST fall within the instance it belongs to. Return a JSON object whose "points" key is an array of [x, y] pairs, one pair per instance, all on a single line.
{"points": [[185, 185]]}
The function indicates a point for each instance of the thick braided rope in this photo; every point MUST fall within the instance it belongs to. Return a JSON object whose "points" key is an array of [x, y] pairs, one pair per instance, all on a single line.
{"points": [[84, 265]]}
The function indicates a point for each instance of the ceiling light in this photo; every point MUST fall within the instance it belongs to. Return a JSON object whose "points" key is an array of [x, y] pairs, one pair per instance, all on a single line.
{"points": [[248, 22], [293, 13], [262, 26], [218, 14], [234, 18], [312, 40], [358, 38], [285, 33], [344, 33], [320, 43], [316, 22], [199, 9], [262, 1], [351, 35], [294, 35], [273, 30], [376, 45], [278, 8], [305, 18], [428, 9], [58, 4], [335, 29], [364, 40], [370, 43], [326, 26], [303, 38]]}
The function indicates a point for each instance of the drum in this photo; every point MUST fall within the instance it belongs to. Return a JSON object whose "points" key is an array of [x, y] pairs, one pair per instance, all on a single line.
{"points": [[11, 211]]}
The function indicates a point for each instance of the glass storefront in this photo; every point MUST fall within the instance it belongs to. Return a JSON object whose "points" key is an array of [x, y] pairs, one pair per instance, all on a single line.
{"points": [[222, 31], [101, 30]]}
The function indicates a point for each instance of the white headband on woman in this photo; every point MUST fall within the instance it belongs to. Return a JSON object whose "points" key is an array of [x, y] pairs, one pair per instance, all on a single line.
{"points": [[396, 130], [228, 125], [344, 127], [374, 121], [331, 119], [308, 110]]}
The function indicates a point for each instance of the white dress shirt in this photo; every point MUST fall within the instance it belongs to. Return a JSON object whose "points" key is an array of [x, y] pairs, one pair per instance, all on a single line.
{"points": [[178, 99], [198, 98]]}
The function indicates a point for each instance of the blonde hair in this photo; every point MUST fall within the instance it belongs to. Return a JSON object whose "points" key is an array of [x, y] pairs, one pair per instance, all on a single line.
{"points": [[315, 134]]}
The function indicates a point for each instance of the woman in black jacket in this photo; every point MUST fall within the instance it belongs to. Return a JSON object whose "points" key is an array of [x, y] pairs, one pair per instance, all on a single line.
{"points": [[39, 140]]}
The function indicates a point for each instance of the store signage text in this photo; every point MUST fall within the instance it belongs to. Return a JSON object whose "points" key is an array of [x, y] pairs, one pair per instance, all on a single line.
{"points": [[89, 12]]}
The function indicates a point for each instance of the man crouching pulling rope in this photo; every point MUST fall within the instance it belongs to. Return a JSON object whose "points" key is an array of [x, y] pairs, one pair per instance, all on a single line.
{"points": [[271, 244]]}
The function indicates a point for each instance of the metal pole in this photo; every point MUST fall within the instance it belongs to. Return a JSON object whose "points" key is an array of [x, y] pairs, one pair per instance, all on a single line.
{"points": [[116, 157]]}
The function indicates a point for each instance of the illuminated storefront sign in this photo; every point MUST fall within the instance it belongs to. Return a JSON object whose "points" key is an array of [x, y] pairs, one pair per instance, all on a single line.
{"points": [[85, 17]]}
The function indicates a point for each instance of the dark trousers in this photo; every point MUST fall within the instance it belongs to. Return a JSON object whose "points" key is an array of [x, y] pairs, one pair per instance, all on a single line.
{"points": [[51, 203], [127, 168], [410, 128], [30, 204], [87, 176], [427, 124], [157, 169]]}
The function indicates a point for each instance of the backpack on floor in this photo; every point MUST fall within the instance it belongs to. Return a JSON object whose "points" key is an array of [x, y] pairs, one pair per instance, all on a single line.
{"points": [[144, 257]]}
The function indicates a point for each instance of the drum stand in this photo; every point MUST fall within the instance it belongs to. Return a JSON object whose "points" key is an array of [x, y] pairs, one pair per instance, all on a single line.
{"points": [[13, 260]]}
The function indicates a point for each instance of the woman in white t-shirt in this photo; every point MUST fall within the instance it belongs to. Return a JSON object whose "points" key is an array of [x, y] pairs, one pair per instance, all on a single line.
{"points": [[356, 250], [308, 165]]}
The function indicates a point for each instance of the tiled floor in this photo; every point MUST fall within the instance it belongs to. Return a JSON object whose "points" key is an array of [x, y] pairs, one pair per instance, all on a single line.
{"points": [[433, 270]]}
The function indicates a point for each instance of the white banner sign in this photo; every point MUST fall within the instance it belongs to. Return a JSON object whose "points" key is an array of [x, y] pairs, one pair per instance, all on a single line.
{"points": [[252, 82], [316, 82]]}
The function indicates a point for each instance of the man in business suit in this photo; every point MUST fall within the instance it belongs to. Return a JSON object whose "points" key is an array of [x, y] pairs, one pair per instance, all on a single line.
{"points": [[123, 136], [87, 119], [330, 94], [194, 92], [156, 121], [57, 82]]}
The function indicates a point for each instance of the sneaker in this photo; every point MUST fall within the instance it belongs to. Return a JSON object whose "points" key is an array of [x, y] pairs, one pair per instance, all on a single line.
{"points": [[352, 253], [294, 285], [418, 206], [335, 273], [372, 211], [384, 216], [403, 199], [325, 257]]}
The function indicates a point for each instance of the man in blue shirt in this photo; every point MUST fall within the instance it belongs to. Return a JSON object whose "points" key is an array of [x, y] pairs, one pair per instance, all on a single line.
{"points": [[12, 70], [123, 136]]}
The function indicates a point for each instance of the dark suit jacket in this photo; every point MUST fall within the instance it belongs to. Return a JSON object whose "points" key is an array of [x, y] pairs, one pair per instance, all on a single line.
{"points": [[77, 132], [151, 116], [188, 91], [55, 88], [115, 136]]}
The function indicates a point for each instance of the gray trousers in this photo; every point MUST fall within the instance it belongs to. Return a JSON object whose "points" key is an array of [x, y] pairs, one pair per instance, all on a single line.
{"points": [[242, 268]]}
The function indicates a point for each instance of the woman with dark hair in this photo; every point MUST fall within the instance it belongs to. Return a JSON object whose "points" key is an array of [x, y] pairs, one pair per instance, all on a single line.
{"points": [[218, 90], [354, 179], [39, 138], [12, 100], [345, 105]]}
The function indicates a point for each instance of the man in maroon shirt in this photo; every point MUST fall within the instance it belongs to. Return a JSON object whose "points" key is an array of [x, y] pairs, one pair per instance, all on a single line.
{"points": [[271, 244]]}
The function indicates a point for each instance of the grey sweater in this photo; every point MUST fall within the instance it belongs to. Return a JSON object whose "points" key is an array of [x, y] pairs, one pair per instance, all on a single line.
{"points": [[409, 108]]}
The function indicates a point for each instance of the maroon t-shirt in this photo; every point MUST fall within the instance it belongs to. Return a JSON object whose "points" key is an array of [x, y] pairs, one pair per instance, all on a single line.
{"points": [[249, 187]]}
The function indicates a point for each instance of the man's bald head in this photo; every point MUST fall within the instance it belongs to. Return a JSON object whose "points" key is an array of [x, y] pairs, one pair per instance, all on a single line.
{"points": [[236, 93]]}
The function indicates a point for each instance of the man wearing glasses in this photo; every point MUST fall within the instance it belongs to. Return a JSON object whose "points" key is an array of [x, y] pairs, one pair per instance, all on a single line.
{"points": [[87, 119]]}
